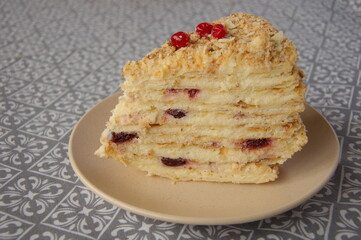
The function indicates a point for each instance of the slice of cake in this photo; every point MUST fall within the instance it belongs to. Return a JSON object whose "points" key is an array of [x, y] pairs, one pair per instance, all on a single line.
{"points": [[220, 104]]}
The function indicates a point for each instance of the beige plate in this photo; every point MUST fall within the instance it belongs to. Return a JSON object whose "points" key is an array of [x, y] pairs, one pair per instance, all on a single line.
{"points": [[202, 202]]}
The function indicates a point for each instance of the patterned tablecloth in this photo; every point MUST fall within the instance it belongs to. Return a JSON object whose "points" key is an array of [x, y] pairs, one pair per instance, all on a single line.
{"points": [[59, 58]]}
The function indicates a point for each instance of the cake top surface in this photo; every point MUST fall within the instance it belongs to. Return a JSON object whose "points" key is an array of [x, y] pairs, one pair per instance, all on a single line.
{"points": [[249, 40]]}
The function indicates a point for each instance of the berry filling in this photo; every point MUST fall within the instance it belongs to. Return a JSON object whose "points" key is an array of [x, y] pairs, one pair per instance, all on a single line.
{"points": [[204, 28], [216, 144], [121, 137], [176, 113], [255, 143], [180, 39], [239, 115], [173, 91], [218, 31], [192, 92], [174, 162]]}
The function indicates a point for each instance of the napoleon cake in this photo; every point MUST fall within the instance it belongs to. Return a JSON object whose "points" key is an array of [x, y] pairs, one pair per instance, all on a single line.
{"points": [[220, 104]]}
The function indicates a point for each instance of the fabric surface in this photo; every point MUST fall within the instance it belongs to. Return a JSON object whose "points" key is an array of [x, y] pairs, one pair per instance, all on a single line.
{"points": [[59, 58]]}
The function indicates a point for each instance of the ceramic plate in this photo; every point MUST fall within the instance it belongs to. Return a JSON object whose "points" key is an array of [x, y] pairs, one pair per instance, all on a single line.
{"points": [[201, 202]]}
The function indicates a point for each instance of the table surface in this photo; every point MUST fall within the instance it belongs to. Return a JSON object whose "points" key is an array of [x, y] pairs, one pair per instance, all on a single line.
{"points": [[59, 58]]}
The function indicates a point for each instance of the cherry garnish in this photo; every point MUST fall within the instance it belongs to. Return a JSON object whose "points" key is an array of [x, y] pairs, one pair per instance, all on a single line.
{"points": [[173, 162], [204, 28], [218, 31], [180, 39]]}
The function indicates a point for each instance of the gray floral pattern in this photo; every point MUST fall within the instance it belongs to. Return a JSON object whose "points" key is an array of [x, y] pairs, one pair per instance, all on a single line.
{"points": [[77, 102], [4, 131], [355, 124], [329, 96], [310, 220], [215, 232], [63, 77], [59, 58], [348, 223], [354, 152], [351, 186], [82, 212], [26, 69], [21, 150], [6, 174], [56, 164], [14, 114], [12, 227], [30, 196], [38, 94], [132, 226], [98, 83], [10, 84], [50, 124]]}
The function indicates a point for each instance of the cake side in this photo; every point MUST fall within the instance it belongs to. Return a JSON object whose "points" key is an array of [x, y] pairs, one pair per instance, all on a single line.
{"points": [[223, 110]]}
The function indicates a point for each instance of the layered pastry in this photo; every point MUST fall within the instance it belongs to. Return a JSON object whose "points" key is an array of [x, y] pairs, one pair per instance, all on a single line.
{"points": [[219, 104]]}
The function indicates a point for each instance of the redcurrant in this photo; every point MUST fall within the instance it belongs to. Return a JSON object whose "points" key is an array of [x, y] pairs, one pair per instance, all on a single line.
{"points": [[180, 39], [218, 31], [204, 28]]}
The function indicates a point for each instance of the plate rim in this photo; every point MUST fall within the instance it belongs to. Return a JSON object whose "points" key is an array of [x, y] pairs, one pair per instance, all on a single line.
{"points": [[187, 219]]}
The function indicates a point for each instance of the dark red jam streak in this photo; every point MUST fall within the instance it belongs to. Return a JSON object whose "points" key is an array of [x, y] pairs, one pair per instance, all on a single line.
{"points": [[255, 143], [173, 162], [121, 137], [192, 92], [176, 113], [239, 115], [216, 144]]}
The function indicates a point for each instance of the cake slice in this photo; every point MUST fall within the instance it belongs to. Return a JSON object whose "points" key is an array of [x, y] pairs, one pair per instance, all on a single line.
{"points": [[220, 104]]}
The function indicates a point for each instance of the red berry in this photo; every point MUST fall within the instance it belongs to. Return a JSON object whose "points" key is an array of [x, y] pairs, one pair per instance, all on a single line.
{"points": [[218, 31], [180, 39], [204, 28]]}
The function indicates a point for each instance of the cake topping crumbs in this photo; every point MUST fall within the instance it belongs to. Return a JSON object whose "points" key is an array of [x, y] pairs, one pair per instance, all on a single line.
{"points": [[268, 49], [180, 39]]}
